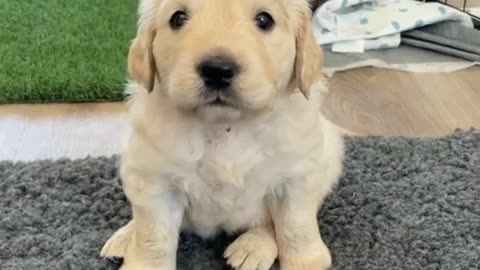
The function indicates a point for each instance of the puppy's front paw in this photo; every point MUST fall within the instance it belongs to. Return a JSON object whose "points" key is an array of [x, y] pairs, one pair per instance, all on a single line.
{"points": [[121, 245], [312, 259], [252, 251], [116, 246]]}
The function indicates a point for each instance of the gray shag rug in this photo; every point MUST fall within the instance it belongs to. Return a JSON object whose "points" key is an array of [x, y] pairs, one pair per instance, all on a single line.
{"points": [[402, 203]]}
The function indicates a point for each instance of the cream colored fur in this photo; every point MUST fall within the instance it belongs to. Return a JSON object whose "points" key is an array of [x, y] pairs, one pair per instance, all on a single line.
{"points": [[261, 167]]}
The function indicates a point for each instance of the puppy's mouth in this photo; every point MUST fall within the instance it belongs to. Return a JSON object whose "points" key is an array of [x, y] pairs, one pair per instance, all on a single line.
{"points": [[219, 100]]}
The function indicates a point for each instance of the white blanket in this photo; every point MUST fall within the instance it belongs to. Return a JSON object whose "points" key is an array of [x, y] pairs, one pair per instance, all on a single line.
{"points": [[359, 25]]}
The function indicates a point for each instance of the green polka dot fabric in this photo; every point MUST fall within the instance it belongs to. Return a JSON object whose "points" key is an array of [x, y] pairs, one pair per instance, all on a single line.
{"points": [[358, 25]]}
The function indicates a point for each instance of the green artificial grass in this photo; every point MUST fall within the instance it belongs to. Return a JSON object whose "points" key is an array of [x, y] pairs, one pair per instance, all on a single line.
{"points": [[64, 50]]}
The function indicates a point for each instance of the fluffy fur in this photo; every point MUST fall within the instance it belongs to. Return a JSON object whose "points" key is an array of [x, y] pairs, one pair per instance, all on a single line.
{"points": [[261, 165]]}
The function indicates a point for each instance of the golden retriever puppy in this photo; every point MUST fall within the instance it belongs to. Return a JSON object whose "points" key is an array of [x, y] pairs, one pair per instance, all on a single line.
{"points": [[226, 134]]}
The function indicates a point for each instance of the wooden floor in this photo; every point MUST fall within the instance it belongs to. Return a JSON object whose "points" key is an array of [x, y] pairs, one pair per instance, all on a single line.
{"points": [[390, 102], [368, 101]]}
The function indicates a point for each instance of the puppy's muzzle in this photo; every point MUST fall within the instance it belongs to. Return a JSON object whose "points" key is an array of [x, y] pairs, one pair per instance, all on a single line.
{"points": [[218, 72]]}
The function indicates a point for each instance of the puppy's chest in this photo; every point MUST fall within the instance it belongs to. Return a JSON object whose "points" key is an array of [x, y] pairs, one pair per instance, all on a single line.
{"points": [[228, 158], [225, 165]]}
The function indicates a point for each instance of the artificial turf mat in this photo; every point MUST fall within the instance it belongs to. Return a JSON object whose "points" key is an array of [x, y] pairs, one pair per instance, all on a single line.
{"points": [[64, 50]]}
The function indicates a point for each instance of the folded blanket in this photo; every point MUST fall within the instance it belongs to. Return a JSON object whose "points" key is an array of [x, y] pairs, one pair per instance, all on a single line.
{"points": [[405, 57], [359, 25], [446, 38]]}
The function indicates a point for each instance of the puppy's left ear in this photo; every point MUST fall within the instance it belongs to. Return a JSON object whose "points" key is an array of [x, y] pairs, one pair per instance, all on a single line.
{"points": [[309, 60]]}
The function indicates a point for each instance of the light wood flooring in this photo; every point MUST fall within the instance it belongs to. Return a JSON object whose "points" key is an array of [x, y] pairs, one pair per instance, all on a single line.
{"points": [[389, 102]]}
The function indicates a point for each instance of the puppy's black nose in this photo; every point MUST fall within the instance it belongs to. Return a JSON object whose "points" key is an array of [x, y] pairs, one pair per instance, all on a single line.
{"points": [[217, 72]]}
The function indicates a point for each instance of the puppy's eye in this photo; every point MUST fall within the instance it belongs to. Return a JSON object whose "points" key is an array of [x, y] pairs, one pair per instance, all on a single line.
{"points": [[178, 19], [264, 21]]}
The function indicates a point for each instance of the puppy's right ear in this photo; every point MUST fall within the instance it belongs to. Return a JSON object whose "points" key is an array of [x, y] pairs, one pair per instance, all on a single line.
{"points": [[141, 62]]}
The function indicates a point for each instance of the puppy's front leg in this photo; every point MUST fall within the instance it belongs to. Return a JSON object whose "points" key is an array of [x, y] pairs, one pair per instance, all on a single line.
{"points": [[300, 245], [157, 215]]}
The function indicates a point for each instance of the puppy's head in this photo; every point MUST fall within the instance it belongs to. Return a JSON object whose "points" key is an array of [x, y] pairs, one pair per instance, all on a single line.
{"points": [[222, 57]]}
